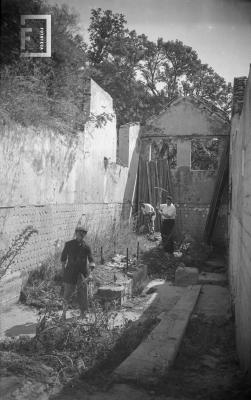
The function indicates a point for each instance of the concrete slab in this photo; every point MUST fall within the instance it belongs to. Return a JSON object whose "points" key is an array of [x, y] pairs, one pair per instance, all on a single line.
{"points": [[116, 392], [151, 359], [125, 392], [212, 278], [167, 296], [185, 276], [214, 301]]}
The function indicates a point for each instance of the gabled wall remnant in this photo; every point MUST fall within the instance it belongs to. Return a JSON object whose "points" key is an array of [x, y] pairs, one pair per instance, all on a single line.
{"points": [[184, 120]]}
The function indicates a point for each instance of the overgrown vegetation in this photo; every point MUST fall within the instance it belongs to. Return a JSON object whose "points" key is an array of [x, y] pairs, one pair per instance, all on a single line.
{"points": [[46, 92], [205, 154], [68, 347], [142, 76], [18, 243], [44, 286]]}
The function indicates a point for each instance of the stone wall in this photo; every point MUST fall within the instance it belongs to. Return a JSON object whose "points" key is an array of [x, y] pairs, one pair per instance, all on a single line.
{"points": [[240, 220], [50, 182]]}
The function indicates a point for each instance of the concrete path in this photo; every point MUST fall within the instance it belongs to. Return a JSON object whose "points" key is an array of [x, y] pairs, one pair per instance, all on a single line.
{"points": [[151, 360], [214, 301], [212, 278]]}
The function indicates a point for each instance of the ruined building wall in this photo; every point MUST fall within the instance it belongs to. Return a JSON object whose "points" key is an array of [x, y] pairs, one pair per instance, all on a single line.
{"points": [[49, 183], [240, 218], [183, 121]]}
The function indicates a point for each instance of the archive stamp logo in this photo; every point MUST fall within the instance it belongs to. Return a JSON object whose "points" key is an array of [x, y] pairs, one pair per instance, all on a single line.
{"points": [[35, 35]]}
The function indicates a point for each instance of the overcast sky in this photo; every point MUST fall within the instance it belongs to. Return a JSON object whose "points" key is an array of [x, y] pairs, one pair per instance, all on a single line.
{"points": [[219, 30]]}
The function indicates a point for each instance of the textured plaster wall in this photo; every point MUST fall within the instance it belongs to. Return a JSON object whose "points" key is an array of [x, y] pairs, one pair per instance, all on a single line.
{"points": [[186, 116], [240, 227], [182, 121], [48, 183]]}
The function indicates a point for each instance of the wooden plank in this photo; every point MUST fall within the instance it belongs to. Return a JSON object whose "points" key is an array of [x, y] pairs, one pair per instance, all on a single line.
{"points": [[153, 182], [222, 180], [158, 182], [149, 183], [158, 221]]}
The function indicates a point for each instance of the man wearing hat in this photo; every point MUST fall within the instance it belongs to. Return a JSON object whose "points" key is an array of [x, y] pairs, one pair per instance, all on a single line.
{"points": [[75, 270], [168, 214]]}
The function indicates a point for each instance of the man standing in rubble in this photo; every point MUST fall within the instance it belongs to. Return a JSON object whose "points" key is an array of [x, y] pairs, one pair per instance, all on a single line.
{"points": [[75, 270], [148, 211], [168, 215]]}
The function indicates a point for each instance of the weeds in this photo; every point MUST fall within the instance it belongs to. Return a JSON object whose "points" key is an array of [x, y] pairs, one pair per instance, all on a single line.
{"points": [[18, 243], [44, 285], [69, 347]]}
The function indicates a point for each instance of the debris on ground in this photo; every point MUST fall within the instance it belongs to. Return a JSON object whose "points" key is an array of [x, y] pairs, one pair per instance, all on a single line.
{"points": [[67, 349], [64, 350]]}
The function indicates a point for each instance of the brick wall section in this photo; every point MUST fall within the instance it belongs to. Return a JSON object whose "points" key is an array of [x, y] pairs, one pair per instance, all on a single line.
{"points": [[238, 94], [52, 226], [240, 226], [191, 219]]}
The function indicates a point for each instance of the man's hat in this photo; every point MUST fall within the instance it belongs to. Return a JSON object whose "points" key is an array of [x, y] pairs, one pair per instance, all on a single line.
{"points": [[81, 228]]}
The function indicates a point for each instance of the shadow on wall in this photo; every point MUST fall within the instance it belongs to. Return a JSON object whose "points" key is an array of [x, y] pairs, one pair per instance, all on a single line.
{"points": [[130, 187]]}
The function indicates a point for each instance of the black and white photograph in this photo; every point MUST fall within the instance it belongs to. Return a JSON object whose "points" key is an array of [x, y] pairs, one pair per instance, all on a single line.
{"points": [[125, 200]]}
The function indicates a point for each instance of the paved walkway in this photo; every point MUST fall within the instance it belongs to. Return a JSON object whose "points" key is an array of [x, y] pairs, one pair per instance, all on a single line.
{"points": [[151, 360]]}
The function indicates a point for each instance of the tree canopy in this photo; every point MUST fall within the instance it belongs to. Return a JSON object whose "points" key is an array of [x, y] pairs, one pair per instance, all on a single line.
{"points": [[142, 76]]}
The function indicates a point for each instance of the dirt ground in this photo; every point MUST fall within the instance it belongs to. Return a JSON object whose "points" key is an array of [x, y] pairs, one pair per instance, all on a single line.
{"points": [[206, 367]]}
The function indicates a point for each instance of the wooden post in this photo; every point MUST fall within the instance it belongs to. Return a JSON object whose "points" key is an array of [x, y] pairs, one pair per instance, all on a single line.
{"points": [[149, 183], [158, 196], [101, 255], [127, 258], [137, 253]]}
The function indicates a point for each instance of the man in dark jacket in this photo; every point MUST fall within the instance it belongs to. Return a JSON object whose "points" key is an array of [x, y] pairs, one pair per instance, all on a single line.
{"points": [[75, 270]]}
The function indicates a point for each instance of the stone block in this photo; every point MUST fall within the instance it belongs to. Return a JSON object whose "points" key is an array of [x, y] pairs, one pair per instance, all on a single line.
{"points": [[112, 293], [185, 276]]}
